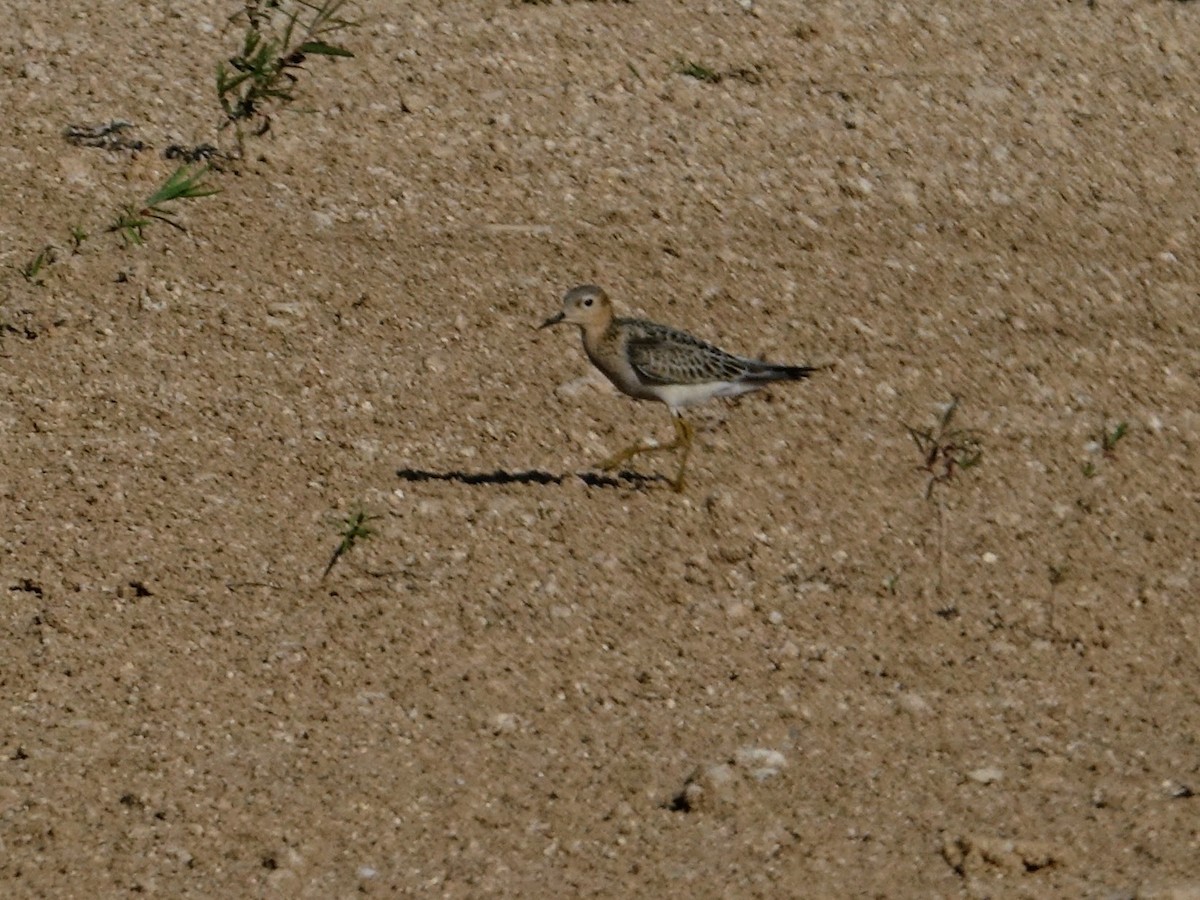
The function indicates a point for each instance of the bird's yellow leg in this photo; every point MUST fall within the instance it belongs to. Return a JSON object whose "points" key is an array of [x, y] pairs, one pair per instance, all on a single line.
{"points": [[683, 434], [628, 453], [683, 437]]}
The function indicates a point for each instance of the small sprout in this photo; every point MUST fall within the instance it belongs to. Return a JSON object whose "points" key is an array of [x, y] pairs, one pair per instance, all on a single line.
{"points": [[355, 529], [945, 450], [78, 236], [32, 270], [130, 224], [890, 583], [1105, 440], [1110, 439], [697, 71], [183, 184]]}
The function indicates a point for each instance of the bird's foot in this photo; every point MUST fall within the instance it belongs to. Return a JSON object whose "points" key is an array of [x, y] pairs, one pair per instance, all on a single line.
{"points": [[625, 455]]}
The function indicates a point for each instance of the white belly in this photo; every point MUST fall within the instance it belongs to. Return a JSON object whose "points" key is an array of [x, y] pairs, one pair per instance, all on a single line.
{"points": [[678, 396]]}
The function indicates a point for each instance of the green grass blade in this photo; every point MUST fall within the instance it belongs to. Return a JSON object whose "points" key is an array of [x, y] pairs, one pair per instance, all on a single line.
{"points": [[182, 185], [320, 48]]}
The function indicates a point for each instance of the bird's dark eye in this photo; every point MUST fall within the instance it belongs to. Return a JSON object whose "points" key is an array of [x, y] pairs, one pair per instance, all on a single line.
{"points": [[587, 302]]}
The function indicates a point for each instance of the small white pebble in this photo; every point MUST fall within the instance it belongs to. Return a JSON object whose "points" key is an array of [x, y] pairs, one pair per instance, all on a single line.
{"points": [[914, 703], [762, 762], [736, 609], [504, 723], [986, 775]]}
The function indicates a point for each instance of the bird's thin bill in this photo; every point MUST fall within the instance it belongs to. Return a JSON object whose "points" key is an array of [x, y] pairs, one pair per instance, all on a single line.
{"points": [[553, 320]]}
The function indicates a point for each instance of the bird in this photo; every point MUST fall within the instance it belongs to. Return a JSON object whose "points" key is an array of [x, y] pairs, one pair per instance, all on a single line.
{"points": [[649, 361]]}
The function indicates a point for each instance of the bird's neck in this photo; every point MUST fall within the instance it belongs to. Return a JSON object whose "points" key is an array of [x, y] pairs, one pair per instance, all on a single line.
{"points": [[594, 332]]}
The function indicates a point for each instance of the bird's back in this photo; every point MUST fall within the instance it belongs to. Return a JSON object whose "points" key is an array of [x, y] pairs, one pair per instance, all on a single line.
{"points": [[661, 354]]}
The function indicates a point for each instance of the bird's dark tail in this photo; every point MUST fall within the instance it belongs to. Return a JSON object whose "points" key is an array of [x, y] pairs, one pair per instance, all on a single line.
{"points": [[764, 371]]}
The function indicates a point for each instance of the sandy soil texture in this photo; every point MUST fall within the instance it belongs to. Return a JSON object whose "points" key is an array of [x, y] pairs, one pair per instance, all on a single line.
{"points": [[826, 669]]}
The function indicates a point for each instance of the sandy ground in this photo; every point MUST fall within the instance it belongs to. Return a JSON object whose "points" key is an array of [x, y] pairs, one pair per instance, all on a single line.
{"points": [[801, 677]]}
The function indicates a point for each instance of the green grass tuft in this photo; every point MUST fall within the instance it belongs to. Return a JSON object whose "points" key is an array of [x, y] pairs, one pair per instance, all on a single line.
{"points": [[78, 236], [695, 70], [183, 184], [1109, 438], [280, 35], [34, 269], [945, 450], [355, 529]]}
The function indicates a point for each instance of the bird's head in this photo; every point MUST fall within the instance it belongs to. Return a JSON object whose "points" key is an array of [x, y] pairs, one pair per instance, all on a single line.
{"points": [[586, 306]]}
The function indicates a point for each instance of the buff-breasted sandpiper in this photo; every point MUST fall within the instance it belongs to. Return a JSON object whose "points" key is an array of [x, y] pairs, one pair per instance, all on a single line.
{"points": [[649, 361]]}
